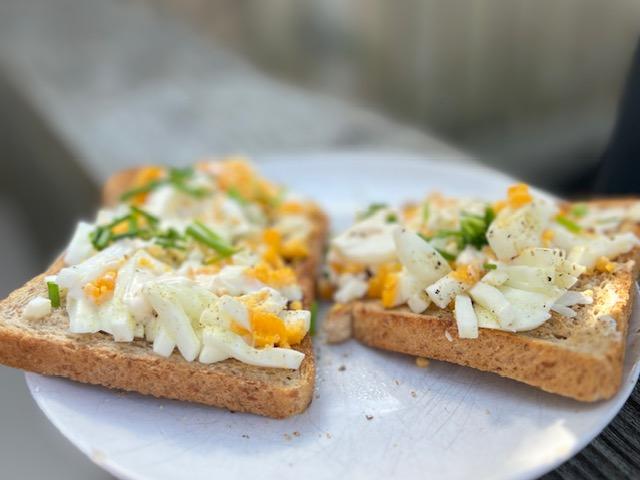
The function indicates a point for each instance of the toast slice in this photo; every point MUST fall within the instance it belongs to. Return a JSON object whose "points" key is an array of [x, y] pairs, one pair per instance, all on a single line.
{"points": [[579, 357], [45, 346]]}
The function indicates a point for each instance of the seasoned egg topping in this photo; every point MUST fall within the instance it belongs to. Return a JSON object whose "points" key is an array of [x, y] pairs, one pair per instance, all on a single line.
{"points": [[201, 260], [504, 265]]}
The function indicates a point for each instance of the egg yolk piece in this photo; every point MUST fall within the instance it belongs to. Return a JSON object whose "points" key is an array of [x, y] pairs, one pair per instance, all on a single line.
{"points": [[518, 195], [268, 330], [389, 290], [466, 274], [377, 282], [272, 276], [101, 289], [145, 176]]}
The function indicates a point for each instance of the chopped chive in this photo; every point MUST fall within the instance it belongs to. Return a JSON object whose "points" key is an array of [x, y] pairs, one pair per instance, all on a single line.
{"points": [[489, 266], [278, 198], [425, 213], [54, 294], [579, 210], [391, 218], [314, 318], [371, 210], [201, 233], [100, 238], [143, 213], [120, 236], [235, 194], [177, 178], [449, 257], [568, 224], [177, 174], [198, 192], [489, 216], [149, 187], [447, 233], [117, 221]]}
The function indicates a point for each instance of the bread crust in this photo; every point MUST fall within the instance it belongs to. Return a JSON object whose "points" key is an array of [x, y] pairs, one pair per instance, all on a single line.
{"points": [[97, 359], [557, 357]]}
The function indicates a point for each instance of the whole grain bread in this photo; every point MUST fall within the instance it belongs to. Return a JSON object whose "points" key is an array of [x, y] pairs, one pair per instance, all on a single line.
{"points": [[45, 346], [579, 357]]}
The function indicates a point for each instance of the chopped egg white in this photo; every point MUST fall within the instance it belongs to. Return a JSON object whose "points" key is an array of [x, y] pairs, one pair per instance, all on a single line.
{"points": [[369, 241], [37, 308], [466, 319]]}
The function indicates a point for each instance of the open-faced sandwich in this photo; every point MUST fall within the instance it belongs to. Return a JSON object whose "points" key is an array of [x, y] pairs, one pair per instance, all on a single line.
{"points": [[195, 284], [532, 289]]}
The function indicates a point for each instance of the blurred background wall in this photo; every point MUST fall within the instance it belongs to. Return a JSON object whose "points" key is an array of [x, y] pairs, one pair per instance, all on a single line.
{"points": [[523, 84]]}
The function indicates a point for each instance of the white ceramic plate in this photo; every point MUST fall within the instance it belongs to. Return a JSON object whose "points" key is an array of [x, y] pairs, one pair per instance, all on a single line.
{"points": [[375, 414]]}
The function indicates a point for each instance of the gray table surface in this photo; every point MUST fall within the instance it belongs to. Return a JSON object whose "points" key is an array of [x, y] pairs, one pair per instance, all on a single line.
{"points": [[105, 84]]}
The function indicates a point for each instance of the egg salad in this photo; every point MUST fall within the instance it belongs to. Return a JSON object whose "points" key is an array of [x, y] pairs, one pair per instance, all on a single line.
{"points": [[201, 259], [505, 265]]}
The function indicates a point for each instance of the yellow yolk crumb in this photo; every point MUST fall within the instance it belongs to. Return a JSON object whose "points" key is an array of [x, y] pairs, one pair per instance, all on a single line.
{"points": [[121, 227], [410, 211], [144, 262], [273, 241], [377, 282], [389, 289], [143, 177], [499, 205], [604, 265], [296, 305], [291, 207], [422, 362], [518, 195], [101, 289], [276, 248], [547, 237], [207, 269], [267, 328], [272, 238], [238, 329], [294, 248], [275, 277], [466, 274], [347, 267], [325, 289], [237, 173]]}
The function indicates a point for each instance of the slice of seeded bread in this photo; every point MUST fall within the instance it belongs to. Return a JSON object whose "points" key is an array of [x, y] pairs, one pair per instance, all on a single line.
{"points": [[579, 357], [45, 346]]}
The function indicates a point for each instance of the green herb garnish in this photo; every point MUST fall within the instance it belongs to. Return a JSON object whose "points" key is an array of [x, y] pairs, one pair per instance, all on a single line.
{"points": [[235, 194], [177, 177], [149, 187], [568, 224], [54, 294], [391, 218], [473, 231], [371, 210], [579, 210], [314, 318], [152, 219], [104, 235], [425, 213], [449, 257], [201, 233], [489, 266], [100, 238], [171, 239]]}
